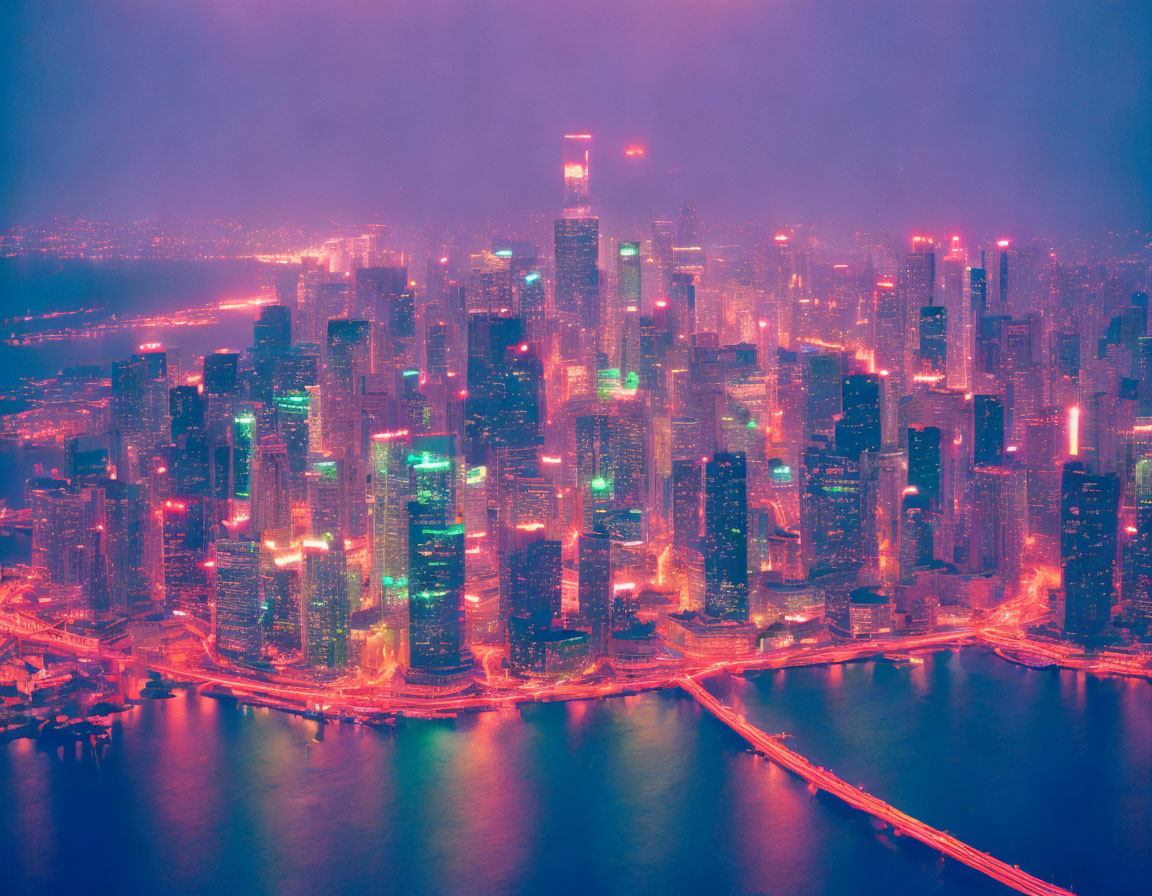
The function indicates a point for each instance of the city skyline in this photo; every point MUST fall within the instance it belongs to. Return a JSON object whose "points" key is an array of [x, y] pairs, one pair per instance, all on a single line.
{"points": [[664, 448]]}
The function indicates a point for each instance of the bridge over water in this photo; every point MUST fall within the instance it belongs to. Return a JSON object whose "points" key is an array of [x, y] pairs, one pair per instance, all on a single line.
{"points": [[904, 824]]}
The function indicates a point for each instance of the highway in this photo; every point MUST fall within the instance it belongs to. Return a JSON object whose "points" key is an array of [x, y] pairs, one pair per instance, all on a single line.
{"points": [[815, 654], [32, 629], [902, 823], [352, 700]]}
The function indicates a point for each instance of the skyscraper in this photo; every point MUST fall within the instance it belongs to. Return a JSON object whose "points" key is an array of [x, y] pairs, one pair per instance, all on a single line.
{"points": [[522, 412], [915, 287], [858, 429], [1002, 295], [324, 593], [595, 466], [682, 307], [435, 569], [1042, 454], [1140, 555], [1088, 529], [271, 507], [238, 599], [435, 596], [978, 291], [628, 291], [924, 463], [688, 226], [663, 239], [534, 585], [578, 273], [577, 181], [242, 432], [934, 340], [60, 522], [533, 307], [726, 537], [889, 331], [292, 428], [494, 349], [822, 391], [595, 586], [281, 619], [273, 327], [391, 492], [832, 531], [327, 500], [129, 432], [915, 532], [988, 429], [221, 372], [687, 490], [127, 529], [221, 378], [381, 294], [186, 411], [185, 543]]}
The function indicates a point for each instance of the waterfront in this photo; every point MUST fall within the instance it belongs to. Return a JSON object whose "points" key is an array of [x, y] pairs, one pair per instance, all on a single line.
{"points": [[126, 289], [635, 794]]}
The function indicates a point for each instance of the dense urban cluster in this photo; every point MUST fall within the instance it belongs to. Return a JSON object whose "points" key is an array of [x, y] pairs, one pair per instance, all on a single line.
{"points": [[613, 452]]}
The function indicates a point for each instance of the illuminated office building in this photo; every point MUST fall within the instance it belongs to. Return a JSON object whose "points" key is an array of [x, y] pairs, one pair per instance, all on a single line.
{"points": [[687, 504], [988, 412], [595, 586], [858, 429], [577, 245], [435, 569], [324, 594], [924, 463], [239, 599], [577, 180], [534, 590], [243, 432], [726, 537], [1088, 533], [185, 547], [832, 525], [934, 341], [629, 265], [391, 492], [271, 506]]}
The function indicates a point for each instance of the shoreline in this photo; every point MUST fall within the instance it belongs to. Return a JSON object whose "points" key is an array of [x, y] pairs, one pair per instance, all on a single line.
{"points": [[427, 710]]}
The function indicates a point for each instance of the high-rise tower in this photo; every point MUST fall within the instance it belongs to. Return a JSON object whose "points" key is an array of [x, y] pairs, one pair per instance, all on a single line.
{"points": [[726, 537], [577, 186], [1088, 528]]}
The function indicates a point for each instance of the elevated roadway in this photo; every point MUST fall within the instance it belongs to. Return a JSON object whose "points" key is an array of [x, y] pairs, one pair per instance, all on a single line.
{"points": [[902, 823]]}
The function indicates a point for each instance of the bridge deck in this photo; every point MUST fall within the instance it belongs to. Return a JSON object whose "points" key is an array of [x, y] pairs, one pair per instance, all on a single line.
{"points": [[939, 840]]}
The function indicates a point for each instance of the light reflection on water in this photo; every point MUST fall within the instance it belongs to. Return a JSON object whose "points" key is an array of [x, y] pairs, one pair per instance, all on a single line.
{"points": [[640, 795], [1047, 769]]}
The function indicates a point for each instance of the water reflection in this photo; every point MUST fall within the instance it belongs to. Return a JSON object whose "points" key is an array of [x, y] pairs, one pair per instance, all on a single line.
{"points": [[639, 795]]}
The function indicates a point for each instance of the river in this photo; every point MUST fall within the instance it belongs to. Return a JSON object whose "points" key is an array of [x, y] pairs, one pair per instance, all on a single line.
{"points": [[1050, 770]]}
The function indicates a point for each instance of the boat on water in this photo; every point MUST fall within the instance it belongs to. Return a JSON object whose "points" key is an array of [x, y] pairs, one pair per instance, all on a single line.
{"points": [[1025, 658], [14, 729], [427, 715], [64, 730]]}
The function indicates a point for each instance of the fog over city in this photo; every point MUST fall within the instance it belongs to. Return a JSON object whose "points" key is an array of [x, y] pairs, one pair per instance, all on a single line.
{"points": [[1019, 117]]}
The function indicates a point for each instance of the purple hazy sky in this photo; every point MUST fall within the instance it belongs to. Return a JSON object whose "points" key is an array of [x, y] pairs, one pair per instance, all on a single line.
{"points": [[999, 115]]}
